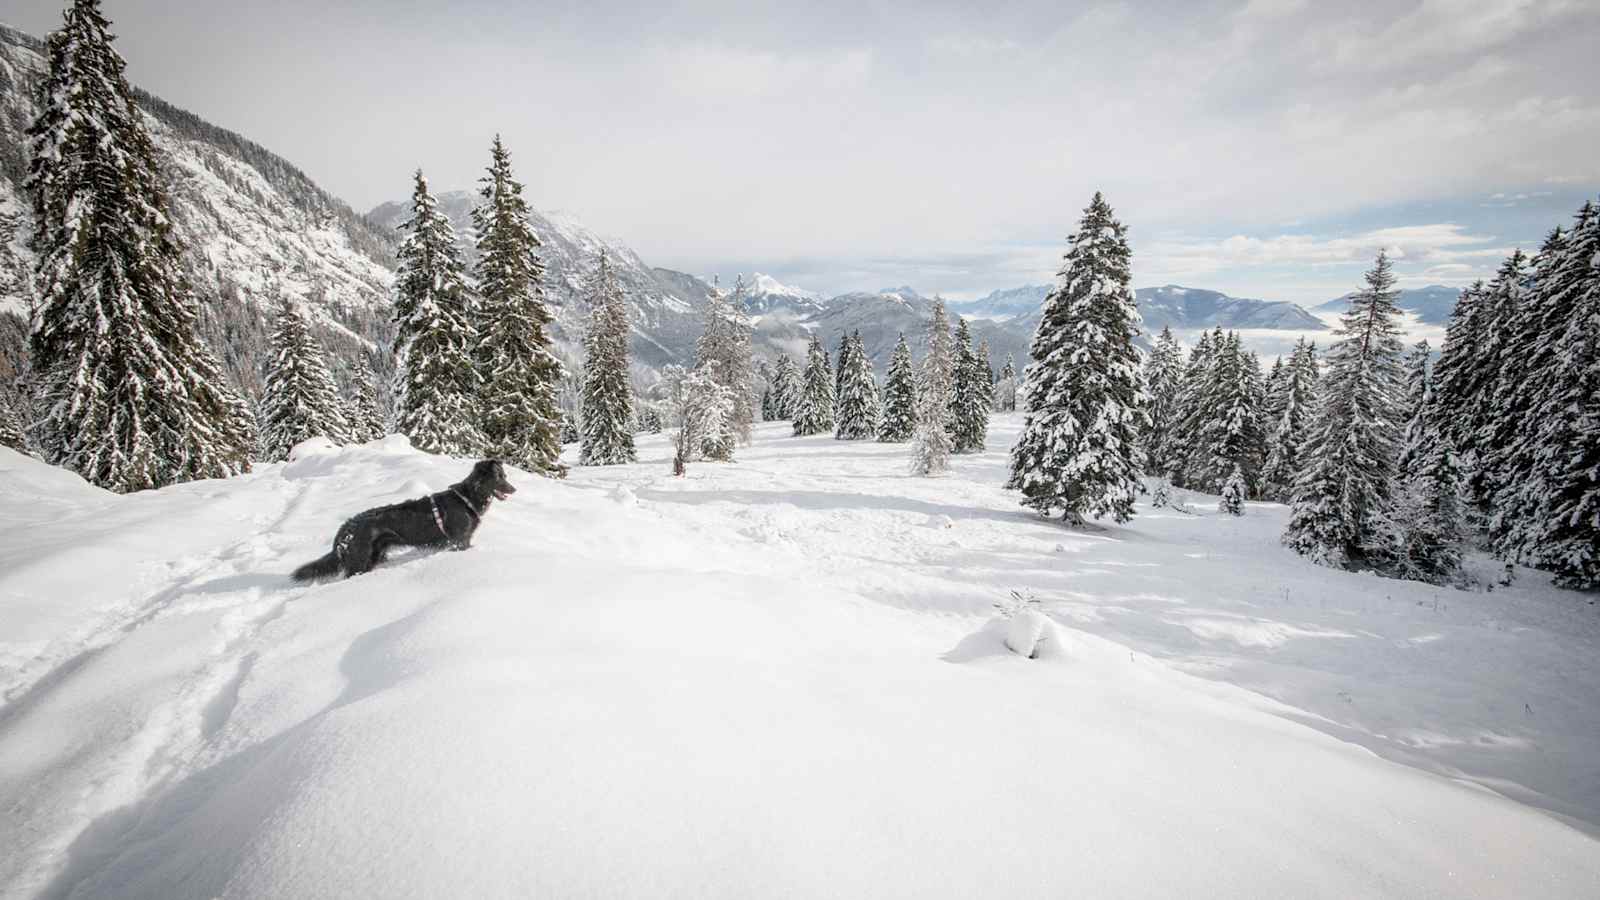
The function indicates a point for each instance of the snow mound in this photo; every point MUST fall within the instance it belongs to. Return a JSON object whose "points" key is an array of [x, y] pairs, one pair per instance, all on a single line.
{"points": [[1030, 633], [624, 496], [27, 480]]}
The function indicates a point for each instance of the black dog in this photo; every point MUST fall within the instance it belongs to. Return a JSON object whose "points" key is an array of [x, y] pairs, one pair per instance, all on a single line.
{"points": [[448, 517]]}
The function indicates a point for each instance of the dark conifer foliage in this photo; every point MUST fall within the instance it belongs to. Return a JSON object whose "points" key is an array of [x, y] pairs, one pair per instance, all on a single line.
{"points": [[436, 373], [1344, 495], [1079, 451], [899, 397], [130, 397], [607, 426], [814, 409], [972, 396], [518, 372], [858, 404], [299, 399]]}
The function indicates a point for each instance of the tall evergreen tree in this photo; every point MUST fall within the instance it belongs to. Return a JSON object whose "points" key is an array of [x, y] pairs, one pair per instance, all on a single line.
{"points": [[1428, 514], [365, 416], [607, 396], [899, 397], [1297, 394], [1344, 497], [1079, 450], [814, 410], [436, 380], [518, 368], [786, 387], [988, 365], [1480, 429], [1230, 435], [298, 398], [1163, 378], [1552, 502], [1193, 411], [971, 397], [1415, 397], [930, 444], [726, 340], [859, 409], [131, 398]]}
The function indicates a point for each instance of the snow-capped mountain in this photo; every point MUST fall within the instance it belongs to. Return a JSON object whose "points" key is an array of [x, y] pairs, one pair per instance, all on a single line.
{"points": [[1432, 304], [1005, 304], [256, 228], [663, 305], [765, 295]]}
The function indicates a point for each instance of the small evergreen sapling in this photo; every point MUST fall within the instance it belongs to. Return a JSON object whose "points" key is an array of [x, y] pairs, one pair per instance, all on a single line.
{"points": [[1233, 494]]}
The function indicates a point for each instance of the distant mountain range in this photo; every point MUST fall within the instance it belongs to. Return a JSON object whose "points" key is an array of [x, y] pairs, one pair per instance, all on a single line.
{"points": [[1169, 306], [1432, 304]]}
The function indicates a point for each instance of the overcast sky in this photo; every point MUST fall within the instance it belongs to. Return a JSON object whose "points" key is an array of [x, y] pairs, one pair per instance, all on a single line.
{"points": [[1262, 148]]}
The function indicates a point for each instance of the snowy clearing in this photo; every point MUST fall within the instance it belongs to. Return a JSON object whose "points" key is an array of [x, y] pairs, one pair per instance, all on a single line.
{"points": [[779, 677]]}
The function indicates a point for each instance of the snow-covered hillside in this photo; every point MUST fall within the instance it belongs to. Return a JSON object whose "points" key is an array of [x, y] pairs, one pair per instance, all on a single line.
{"points": [[776, 677], [256, 228]]}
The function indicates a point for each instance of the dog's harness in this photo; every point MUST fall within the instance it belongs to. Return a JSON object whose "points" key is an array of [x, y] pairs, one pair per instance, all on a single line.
{"points": [[438, 519]]}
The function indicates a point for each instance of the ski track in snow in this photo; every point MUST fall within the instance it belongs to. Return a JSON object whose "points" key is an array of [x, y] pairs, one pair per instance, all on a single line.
{"points": [[125, 719]]}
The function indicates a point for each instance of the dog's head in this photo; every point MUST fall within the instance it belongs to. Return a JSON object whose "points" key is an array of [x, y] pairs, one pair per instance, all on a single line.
{"points": [[491, 474]]}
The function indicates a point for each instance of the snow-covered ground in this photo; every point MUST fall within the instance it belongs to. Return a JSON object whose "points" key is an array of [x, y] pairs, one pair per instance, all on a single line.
{"points": [[780, 677]]}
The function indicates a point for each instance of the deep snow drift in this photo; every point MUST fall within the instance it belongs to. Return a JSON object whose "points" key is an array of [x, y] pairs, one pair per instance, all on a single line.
{"points": [[777, 677]]}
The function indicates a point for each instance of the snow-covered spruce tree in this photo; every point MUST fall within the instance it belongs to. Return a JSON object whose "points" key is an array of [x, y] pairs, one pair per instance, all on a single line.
{"points": [[1551, 509], [1163, 378], [1427, 519], [988, 366], [1005, 389], [607, 397], [786, 388], [436, 380], [1234, 491], [298, 397], [1230, 436], [726, 340], [930, 442], [899, 397], [1079, 450], [859, 410], [1416, 396], [129, 395], [813, 412], [840, 368], [708, 415], [1479, 431], [1344, 496], [971, 397], [769, 409], [1296, 397], [1193, 411], [518, 369], [365, 416]]}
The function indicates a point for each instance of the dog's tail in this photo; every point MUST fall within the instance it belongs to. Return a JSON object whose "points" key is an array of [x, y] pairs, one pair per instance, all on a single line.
{"points": [[321, 568]]}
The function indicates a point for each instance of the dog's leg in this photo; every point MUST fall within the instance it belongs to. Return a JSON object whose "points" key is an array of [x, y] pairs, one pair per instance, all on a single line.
{"points": [[380, 551], [357, 556]]}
